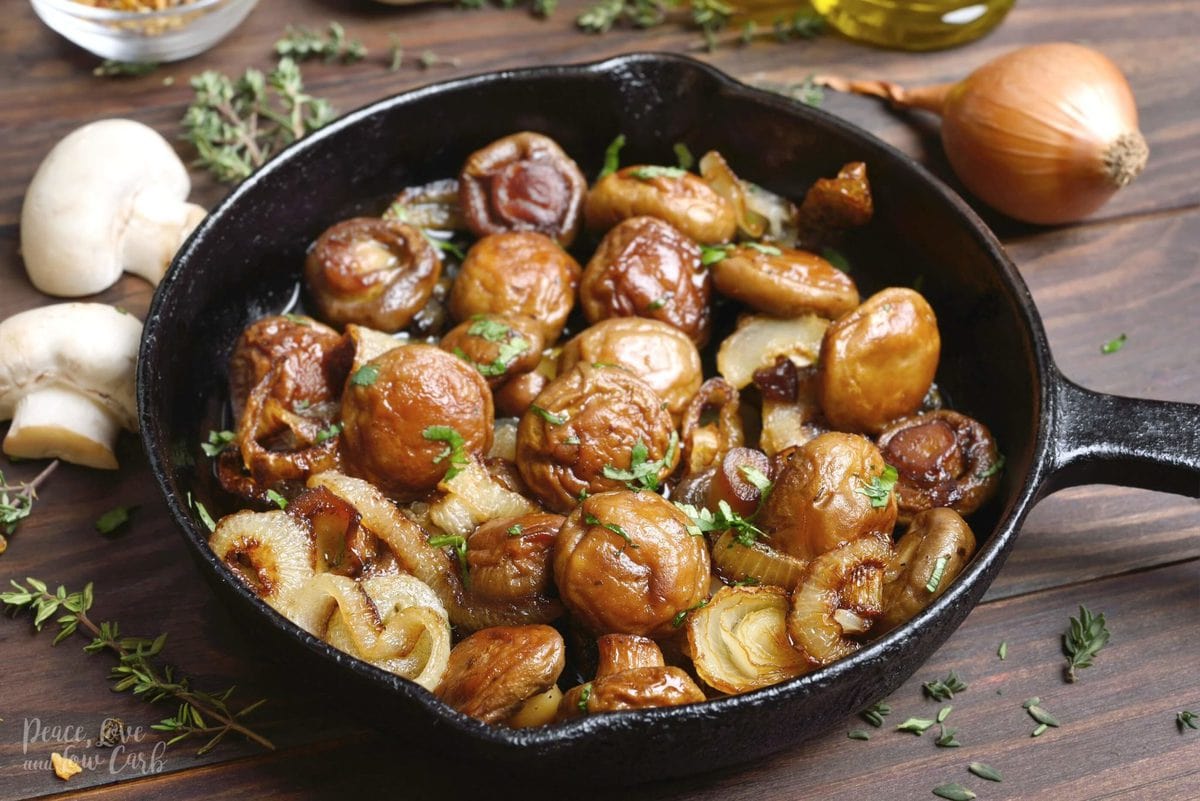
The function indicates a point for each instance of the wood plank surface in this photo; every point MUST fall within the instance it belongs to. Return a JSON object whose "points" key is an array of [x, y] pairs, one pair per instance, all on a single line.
{"points": [[1132, 554]]}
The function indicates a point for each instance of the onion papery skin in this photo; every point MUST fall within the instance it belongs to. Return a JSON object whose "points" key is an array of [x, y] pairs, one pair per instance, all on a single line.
{"points": [[1046, 134]]}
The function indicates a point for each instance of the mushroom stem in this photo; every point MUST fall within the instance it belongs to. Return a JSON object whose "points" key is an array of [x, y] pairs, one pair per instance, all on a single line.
{"points": [[158, 224], [57, 422]]}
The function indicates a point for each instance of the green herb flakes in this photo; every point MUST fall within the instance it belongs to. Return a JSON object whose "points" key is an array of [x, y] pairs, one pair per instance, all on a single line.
{"points": [[985, 772], [1041, 715], [515, 530], [880, 488], [767, 250], [218, 441], [935, 577], [329, 433], [114, 519], [875, 713], [682, 614], [1039, 731], [994, 468], [459, 545], [711, 254], [365, 376], [550, 417], [202, 513], [945, 689], [592, 520], [858, 734], [652, 171], [1187, 720], [683, 156], [642, 473], [1115, 344], [612, 156], [836, 258], [1002, 651], [585, 695], [953, 792], [1083, 640], [659, 302], [916, 726], [944, 713], [455, 448], [277, 499]]}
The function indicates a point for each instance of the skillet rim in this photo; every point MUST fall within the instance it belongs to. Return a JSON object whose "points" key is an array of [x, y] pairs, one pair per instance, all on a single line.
{"points": [[544, 740]]}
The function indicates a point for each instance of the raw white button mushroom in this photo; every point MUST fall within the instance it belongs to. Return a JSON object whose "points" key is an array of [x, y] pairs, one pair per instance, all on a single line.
{"points": [[67, 380], [111, 196]]}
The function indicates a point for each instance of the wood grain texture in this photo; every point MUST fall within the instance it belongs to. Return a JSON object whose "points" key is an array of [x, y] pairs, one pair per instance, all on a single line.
{"points": [[1131, 554]]}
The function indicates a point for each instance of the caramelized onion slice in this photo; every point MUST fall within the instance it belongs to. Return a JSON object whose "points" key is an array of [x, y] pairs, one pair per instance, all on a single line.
{"points": [[269, 551], [393, 622], [739, 641], [473, 498], [720, 176], [835, 582], [759, 341], [757, 561]]}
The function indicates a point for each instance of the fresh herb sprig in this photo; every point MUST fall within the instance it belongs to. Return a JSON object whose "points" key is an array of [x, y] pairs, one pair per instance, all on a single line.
{"points": [[235, 125], [643, 473], [16, 502], [1083, 640], [301, 43], [725, 519], [138, 669], [458, 544]]}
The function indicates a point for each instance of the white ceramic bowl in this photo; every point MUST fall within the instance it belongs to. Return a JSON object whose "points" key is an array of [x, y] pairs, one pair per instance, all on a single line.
{"points": [[142, 36]]}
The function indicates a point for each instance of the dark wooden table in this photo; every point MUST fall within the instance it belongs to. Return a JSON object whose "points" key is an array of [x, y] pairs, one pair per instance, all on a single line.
{"points": [[1134, 269]]}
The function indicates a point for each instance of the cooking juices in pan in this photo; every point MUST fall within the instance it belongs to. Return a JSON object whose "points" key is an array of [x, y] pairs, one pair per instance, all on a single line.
{"points": [[642, 444]]}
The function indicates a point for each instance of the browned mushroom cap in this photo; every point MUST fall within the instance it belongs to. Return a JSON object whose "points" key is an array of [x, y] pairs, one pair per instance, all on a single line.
{"points": [[415, 409], [645, 267], [494, 670], [617, 653], [625, 563], [498, 346], [517, 273], [930, 555], [784, 282], [680, 198], [509, 562], [659, 354], [582, 434], [514, 398], [370, 271], [640, 688], [285, 376], [878, 362], [944, 458], [431, 206], [832, 490], [833, 205], [523, 182]]}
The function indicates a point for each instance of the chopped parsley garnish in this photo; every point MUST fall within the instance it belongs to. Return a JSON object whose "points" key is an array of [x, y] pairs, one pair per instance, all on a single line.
{"points": [[455, 448], [365, 376], [1083, 640], [592, 520], [612, 156], [444, 245], [218, 442], [935, 578], [277, 499], [683, 156], [1115, 344], [652, 171], [768, 250], [682, 614], [329, 433], [550, 417], [114, 519], [880, 487], [703, 521], [298, 319], [757, 478], [643, 474], [711, 254], [203, 514], [994, 468], [945, 689], [515, 530], [748, 581], [491, 330], [658, 303], [459, 545]]}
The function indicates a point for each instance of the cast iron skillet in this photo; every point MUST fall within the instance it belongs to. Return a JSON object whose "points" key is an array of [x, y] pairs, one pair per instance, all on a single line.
{"points": [[243, 262]]}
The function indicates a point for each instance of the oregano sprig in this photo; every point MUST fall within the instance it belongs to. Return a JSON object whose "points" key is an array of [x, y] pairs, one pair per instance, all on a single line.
{"points": [[138, 669]]}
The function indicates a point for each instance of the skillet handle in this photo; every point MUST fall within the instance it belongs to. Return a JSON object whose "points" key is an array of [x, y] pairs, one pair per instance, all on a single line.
{"points": [[1130, 442]]}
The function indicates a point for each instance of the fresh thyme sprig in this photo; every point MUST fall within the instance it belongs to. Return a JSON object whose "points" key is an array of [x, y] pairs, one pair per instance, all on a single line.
{"points": [[301, 43], [236, 125], [1084, 638], [138, 670], [16, 502]]}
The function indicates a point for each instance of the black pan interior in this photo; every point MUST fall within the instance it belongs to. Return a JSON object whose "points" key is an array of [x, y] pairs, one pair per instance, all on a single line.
{"points": [[245, 260]]}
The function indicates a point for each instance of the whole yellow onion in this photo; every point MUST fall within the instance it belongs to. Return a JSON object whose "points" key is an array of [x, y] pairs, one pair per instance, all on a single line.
{"points": [[1046, 134]]}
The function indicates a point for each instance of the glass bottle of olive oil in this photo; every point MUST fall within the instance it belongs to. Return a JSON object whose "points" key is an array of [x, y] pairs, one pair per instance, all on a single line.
{"points": [[913, 24]]}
